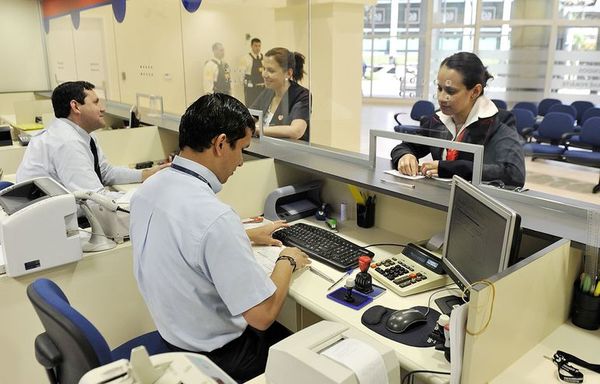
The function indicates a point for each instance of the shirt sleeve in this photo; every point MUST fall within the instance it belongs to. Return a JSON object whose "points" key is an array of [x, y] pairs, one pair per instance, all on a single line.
{"points": [[301, 107], [112, 175], [230, 264], [209, 76]]}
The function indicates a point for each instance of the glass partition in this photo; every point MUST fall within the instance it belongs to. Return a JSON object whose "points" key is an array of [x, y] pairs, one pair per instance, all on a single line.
{"points": [[576, 69], [352, 49]]}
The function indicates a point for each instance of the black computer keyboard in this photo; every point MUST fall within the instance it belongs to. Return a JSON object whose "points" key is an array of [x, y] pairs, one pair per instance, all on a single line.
{"points": [[322, 245]]}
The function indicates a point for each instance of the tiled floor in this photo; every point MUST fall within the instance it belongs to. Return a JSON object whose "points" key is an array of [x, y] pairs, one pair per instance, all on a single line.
{"points": [[557, 178]]}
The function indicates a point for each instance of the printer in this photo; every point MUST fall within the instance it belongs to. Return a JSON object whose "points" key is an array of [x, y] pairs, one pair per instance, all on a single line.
{"points": [[293, 202], [305, 357], [38, 226], [163, 368]]}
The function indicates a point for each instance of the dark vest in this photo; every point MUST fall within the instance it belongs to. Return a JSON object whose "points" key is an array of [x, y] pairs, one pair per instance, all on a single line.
{"points": [[256, 71], [223, 83]]}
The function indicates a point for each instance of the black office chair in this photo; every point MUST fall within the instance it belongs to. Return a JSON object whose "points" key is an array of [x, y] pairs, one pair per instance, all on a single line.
{"points": [[420, 110], [71, 345]]}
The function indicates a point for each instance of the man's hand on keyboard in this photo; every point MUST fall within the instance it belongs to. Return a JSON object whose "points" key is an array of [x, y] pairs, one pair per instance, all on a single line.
{"points": [[300, 257], [263, 235]]}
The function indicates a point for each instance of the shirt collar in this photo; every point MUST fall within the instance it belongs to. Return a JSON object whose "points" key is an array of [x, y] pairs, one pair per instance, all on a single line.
{"points": [[483, 108], [200, 169], [80, 131]]}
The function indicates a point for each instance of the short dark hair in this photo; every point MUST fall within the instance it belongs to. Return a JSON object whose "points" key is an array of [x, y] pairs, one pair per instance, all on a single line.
{"points": [[65, 92], [210, 116], [288, 60], [255, 40], [470, 67]]}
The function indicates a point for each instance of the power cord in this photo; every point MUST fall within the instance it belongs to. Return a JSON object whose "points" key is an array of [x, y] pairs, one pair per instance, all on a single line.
{"points": [[491, 285], [382, 244], [412, 373], [433, 294]]}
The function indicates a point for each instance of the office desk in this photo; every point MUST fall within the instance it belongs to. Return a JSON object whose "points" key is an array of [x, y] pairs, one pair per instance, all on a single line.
{"points": [[310, 290], [533, 367]]}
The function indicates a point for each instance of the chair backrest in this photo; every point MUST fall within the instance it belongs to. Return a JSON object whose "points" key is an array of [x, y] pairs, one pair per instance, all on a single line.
{"points": [[501, 104], [527, 105], [524, 119], [421, 108], [590, 131], [80, 344], [568, 109], [545, 105], [581, 106], [555, 124], [5, 184], [592, 112]]}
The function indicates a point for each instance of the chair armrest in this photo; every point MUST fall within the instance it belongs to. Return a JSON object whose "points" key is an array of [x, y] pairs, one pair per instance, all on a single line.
{"points": [[566, 136], [526, 132], [396, 117], [46, 352]]}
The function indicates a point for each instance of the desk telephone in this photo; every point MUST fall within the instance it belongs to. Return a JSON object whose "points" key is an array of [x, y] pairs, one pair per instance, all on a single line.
{"points": [[413, 271]]}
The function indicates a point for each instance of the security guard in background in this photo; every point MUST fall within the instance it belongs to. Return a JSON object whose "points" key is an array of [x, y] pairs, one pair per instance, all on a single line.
{"points": [[217, 75], [254, 83]]}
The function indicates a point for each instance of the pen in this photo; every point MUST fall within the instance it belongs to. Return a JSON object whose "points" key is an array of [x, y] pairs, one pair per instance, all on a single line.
{"points": [[379, 286], [348, 272], [319, 273], [405, 185]]}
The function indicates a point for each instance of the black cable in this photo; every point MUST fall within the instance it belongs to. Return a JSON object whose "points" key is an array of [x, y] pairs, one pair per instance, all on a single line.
{"points": [[412, 373], [381, 244], [122, 210]]}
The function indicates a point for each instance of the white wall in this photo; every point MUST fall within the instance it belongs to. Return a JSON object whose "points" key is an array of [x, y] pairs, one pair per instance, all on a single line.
{"points": [[23, 63]]}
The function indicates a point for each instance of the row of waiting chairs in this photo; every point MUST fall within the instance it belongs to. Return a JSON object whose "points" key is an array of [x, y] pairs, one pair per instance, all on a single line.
{"points": [[580, 109]]}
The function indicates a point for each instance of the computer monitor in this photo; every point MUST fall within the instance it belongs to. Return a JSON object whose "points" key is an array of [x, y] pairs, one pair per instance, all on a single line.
{"points": [[481, 233], [257, 114]]}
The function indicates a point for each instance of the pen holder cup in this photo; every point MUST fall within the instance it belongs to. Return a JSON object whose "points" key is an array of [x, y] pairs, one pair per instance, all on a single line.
{"points": [[365, 215], [585, 310]]}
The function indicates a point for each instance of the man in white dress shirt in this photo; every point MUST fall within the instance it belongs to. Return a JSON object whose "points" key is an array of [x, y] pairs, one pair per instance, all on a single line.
{"points": [[192, 259], [65, 150]]}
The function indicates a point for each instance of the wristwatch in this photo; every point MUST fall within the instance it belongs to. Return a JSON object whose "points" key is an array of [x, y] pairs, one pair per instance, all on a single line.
{"points": [[290, 259]]}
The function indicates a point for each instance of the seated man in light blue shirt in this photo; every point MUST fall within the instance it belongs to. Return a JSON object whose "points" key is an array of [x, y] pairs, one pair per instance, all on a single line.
{"points": [[67, 152], [193, 261]]}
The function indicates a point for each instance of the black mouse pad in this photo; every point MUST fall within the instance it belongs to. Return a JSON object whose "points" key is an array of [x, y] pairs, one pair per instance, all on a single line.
{"points": [[417, 335]]}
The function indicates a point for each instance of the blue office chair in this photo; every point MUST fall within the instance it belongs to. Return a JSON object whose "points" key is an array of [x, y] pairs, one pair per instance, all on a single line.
{"points": [[549, 136], [590, 135], [71, 345], [527, 105], [5, 184], [500, 104], [592, 112], [545, 105], [581, 106], [568, 109], [421, 109], [525, 122]]}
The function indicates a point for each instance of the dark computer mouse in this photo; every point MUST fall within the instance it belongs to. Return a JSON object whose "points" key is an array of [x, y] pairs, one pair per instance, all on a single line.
{"points": [[399, 321]]}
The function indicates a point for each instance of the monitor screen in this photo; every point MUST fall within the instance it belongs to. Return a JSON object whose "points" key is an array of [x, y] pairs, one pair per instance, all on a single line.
{"points": [[479, 234], [258, 119]]}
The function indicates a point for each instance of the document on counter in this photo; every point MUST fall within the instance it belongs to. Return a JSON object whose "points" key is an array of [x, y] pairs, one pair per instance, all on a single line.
{"points": [[266, 257], [403, 176]]}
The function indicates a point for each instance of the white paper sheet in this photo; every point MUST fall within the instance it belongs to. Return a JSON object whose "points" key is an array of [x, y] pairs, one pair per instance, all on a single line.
{"points": [[361, 358], [458, 324], [266, 257], [398, 174]]}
